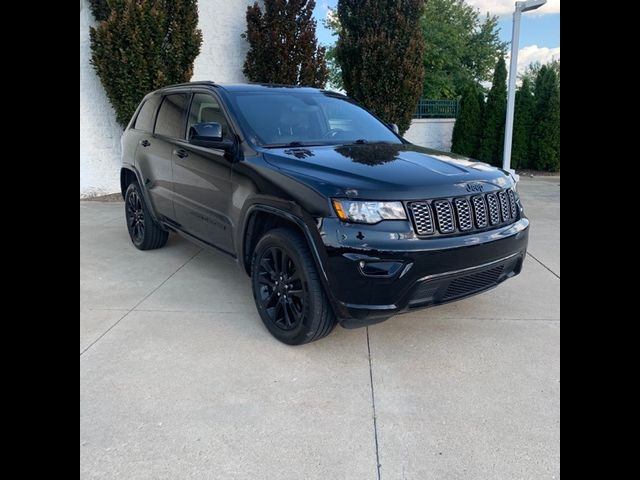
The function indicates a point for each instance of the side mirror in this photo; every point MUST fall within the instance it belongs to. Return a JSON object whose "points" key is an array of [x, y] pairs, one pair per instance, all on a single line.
{"points": [[209, 135], [394, 128]]}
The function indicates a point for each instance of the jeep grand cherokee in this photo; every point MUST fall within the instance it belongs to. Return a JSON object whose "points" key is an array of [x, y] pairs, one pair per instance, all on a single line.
{"points": [[336, 218]]}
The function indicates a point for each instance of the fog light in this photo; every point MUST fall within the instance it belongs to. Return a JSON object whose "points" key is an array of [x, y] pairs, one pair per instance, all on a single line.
{"points": [[380, 269]]}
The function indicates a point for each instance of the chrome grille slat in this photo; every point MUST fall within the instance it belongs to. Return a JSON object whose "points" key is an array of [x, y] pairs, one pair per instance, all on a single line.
{"points": [[444, 216], [463, 214], [512, 202], [494, 213], [422, 217], [480, 211], [504, 205]]}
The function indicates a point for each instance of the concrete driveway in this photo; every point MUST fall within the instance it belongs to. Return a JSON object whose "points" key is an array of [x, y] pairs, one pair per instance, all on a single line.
{"points": [[180, 379]]}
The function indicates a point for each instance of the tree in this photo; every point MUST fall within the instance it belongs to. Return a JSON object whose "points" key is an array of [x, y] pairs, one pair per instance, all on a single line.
{"points": [[144, 45], [492, 137], [380, 51], [532, 70], [282, 44], [522, 125], [100, 9], [545, 141], [460, 48], [466, 131], [332, 23]]}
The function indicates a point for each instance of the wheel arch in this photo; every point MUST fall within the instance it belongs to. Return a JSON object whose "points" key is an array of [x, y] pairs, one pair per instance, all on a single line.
{"points": [[260, 219], [129, 174]]}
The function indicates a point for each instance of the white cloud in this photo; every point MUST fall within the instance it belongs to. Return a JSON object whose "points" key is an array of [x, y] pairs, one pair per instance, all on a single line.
{"points": [[534, 53], [506, 7]]}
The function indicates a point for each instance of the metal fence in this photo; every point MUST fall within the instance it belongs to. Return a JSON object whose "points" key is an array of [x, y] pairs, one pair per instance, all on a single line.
{"points": [[436, 108]]}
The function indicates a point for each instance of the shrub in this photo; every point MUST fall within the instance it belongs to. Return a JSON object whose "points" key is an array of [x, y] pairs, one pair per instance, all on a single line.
{"points": [[522, 126], [282, 44], [466, 131], [380, 50], [100, 9], [492, 137], [545, 141], [144, 45]]}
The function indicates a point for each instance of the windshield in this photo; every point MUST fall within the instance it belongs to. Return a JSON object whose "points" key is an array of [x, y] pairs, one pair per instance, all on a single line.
{"points": [[304, 119]]}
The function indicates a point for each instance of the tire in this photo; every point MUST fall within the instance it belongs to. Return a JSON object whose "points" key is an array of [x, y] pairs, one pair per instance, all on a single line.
{"points": [[293, 318], [144, 231]]}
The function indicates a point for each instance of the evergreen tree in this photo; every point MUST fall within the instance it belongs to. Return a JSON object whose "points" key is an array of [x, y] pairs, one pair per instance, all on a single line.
{"points": [[144, 45], [466, 131], [492, 137], [380, 50], [522, 125], [545, 141], [282, 44], [100, 9]]}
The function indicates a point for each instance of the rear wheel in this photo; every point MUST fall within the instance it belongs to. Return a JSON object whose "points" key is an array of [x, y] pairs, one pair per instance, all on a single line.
{"points": [[145, 232], [287, 290]]}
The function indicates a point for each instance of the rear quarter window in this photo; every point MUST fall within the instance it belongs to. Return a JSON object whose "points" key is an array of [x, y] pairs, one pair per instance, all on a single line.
{"points": [[144, 120]]}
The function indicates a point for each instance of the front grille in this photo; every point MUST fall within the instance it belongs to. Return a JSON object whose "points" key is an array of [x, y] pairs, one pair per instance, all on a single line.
{"points": [[463, 214], [473, 283]]}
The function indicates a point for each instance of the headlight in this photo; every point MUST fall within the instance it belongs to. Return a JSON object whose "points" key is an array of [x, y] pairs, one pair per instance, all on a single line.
{"points": [[368, 212]]}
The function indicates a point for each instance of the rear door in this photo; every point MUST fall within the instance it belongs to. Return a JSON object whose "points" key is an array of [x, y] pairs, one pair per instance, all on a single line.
{"points": [[155, 152], [202, 178]]}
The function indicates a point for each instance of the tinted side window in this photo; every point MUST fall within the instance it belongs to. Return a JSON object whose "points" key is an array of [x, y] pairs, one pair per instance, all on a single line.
{"points": [[144, 120], [204, 109], [170, 121]]}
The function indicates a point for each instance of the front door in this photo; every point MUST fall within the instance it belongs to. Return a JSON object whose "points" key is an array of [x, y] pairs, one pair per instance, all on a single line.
{"points": [[202, 179]]}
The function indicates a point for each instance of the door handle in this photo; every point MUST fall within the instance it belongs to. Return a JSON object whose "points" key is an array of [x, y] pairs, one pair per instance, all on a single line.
{"points": [[181, 153], [145, 143]]}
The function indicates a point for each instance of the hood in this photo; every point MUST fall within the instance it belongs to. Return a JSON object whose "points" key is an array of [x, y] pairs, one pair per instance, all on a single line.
{"points": [[385, 172]]}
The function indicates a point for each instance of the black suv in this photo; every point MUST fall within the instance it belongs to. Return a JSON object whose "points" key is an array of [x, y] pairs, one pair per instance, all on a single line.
{"points": [[335, 217]]}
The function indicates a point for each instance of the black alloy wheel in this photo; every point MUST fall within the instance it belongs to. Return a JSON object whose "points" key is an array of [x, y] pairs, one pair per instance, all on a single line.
{"points": [[289, 295], [135, 217], [145, 232], [281, 289]]}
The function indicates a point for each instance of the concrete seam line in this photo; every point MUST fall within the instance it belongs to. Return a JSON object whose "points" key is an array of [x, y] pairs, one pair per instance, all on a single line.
{"points": [[145, 297], [543, 265], [373, 404]]}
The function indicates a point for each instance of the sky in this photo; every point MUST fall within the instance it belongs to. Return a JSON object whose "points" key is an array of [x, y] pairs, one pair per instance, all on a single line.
{"points": [[539, 29]]}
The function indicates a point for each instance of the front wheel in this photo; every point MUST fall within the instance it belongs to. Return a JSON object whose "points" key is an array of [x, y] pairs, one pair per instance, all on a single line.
{"points": [[287, 290]]}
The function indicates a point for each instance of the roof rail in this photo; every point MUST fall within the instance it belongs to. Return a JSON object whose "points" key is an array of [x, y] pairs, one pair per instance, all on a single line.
{"points": [[200, 82]]}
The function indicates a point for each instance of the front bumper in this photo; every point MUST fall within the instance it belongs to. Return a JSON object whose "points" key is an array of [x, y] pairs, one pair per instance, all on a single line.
{"points": [[374, 272]]}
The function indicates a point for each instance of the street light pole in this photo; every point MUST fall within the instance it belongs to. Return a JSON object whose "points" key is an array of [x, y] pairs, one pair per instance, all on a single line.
{"points": [[513, 73]]}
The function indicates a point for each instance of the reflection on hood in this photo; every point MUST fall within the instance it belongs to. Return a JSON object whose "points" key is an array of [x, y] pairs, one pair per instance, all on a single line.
{"points": [[373, 154]]}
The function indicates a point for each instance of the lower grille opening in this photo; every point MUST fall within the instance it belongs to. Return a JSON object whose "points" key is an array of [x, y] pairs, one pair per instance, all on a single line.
{"points": [[448, 288], [473, 283]]}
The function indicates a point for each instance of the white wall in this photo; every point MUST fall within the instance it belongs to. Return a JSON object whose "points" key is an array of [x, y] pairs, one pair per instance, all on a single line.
{"points": [[99, 131], [221, 57], [223, 50], [431, 132]]}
